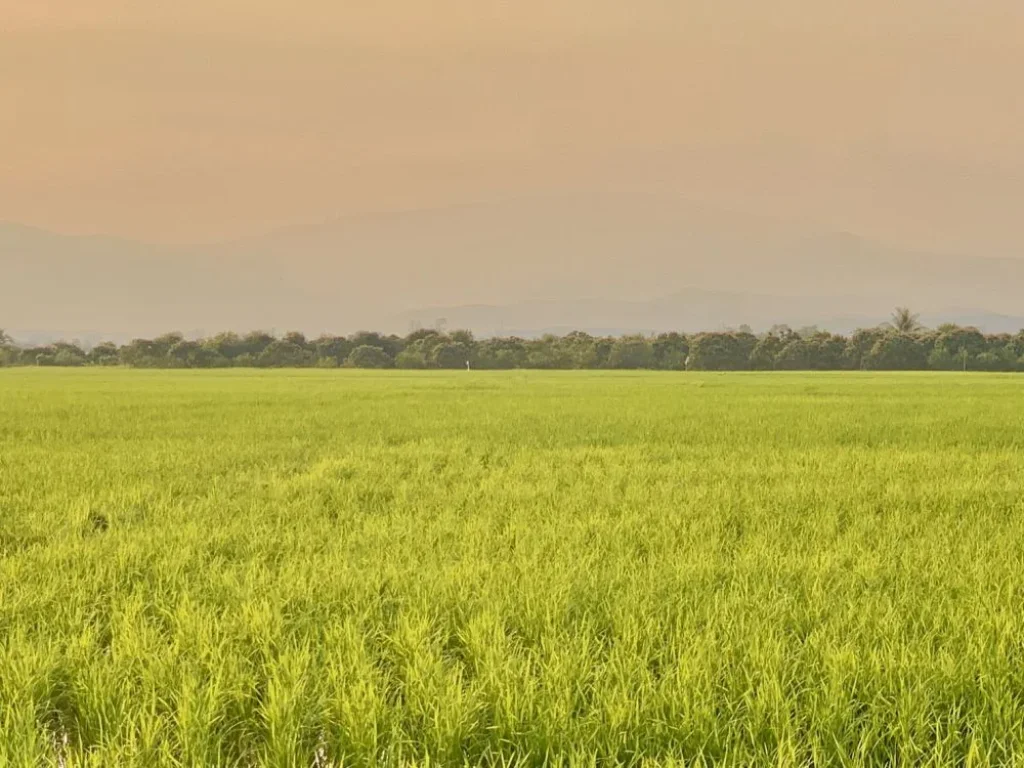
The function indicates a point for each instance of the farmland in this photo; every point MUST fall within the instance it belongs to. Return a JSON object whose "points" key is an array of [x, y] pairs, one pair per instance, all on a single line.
{"points": [[281, 568]]}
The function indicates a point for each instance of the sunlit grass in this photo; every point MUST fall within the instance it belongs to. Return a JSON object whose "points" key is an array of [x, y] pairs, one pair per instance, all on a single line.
{"points": [[325, 568]]}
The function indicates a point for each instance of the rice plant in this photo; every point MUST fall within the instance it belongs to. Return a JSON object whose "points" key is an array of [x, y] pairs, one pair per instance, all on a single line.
{"points": [[345, 568]]}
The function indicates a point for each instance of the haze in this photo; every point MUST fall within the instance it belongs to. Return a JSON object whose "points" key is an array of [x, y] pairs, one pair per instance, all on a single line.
{"points": [[200, 121]]}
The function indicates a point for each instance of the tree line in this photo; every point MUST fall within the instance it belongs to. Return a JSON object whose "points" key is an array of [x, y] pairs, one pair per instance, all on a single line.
{"points": [[901, 344]]}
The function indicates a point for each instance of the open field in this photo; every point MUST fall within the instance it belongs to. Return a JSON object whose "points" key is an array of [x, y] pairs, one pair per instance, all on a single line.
{"points": [[340, 567]]}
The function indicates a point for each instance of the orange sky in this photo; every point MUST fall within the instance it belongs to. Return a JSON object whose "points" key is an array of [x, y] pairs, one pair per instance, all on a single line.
{"points": [[205, 119]]}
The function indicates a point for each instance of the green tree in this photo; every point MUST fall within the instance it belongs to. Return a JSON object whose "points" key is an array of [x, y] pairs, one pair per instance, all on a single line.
{"points": [[336, 348], [183, 354], [161, 346], [720, 352], [254, 343], [367, 356], [670, 351], [502, 353], [412, 358], [825, 351], [196, 354], [963, 344], [228, 345], [104, 354], [284, 354], [766, 351], [859, 346], [297, 338], [391, 345], [794, 356], [452, 354], [581, 349], [68, 358], [547, 353], [631, 352], [904, 321], [897, 352], [140, 353], [940, 359], [9, 353]]}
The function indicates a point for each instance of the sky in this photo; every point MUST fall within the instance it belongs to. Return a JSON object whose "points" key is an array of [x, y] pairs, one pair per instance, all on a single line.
{"points": [[206, 120]]}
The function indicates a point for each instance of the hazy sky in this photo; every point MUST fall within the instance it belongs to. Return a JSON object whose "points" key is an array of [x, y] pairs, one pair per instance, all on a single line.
{"points": [[191, 120]]}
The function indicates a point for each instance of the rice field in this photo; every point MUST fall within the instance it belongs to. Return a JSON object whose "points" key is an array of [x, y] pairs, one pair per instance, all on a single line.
{"points": [[328, 568]]}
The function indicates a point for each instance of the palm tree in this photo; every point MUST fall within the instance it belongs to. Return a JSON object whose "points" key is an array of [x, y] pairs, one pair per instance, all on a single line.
{"points": [[904, 321]]}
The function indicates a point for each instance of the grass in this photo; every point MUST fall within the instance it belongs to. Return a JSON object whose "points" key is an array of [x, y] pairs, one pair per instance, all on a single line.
{"points": [[346, 568]]}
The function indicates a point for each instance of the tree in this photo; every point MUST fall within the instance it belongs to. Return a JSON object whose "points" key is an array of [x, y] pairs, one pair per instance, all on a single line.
{"points": [[335, 348], [411, 358], [897, 352], [904, 321], [227, 345], [297, 338], [825, 351], [794, 356], [949, 347], [284, 354], [783, 331], [366, 356], [547, 353], [67, 358], [940, 359], [104, 354], [631, 352], [420, 334], [161, 345], [670, 351], [763, 356], [141, 353], [452, 354], [391, 345], [196, 354], [502, 354], [254, 343], [962, 344], [720, 352], [183, 354], [859, 346], [42, 356], [8, 352]]}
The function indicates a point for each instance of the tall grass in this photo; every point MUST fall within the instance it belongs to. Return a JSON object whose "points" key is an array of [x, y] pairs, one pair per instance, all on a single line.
{"points": [[343, 568]]}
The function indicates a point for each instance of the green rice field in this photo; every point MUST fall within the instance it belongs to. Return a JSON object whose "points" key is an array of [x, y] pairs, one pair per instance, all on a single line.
{"points": [[348, 568]]}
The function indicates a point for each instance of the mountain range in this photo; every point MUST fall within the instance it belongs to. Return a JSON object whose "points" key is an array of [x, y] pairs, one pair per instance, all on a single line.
{"points": [[618, 261]]}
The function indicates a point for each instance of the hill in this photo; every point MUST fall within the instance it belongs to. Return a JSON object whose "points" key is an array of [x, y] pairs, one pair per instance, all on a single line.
{"points": [[602, 260]]}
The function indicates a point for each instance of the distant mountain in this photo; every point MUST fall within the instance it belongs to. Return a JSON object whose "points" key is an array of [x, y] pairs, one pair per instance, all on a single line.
{"points": [[655, 260], [693, 310]]}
